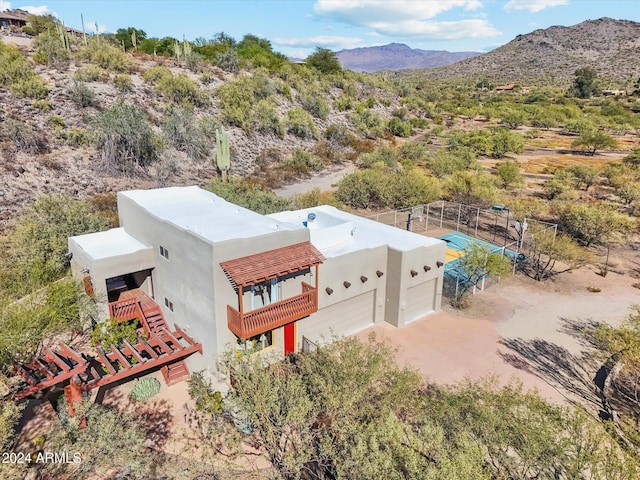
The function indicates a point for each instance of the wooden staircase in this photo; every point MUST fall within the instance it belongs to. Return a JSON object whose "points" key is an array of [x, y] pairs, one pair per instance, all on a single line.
{"points": [[158, 347], [153, 321]]}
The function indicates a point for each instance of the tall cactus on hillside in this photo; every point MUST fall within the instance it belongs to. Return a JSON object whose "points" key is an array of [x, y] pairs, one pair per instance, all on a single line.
{"points": [[223, 156]]}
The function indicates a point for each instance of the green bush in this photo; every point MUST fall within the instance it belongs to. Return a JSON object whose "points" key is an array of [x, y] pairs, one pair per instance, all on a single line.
{"points": [[181, 89], [81, 94], [50, 49], [89, 73], [248, 194], [76, 137], [303, 162], [23, 136], [182, 131], [399, 128], [106, 56], [300, 123], [123, 82], [31, 87], [265, 118], [315, 104], [114, 332], [155, 74], [344, 103], [144, 389], [13, 65], [201, 391], [124, 139]]}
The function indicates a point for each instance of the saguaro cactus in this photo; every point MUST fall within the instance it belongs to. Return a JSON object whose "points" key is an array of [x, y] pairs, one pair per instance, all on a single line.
{"points": [[223, 157]]}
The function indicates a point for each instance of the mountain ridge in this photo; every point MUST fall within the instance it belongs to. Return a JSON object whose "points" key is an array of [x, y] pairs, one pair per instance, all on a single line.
{"points": [[397, 56]]}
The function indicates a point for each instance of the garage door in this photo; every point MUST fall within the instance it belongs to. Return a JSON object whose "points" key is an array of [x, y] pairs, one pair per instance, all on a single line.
{"points": [[340, 319], [420, 299]]}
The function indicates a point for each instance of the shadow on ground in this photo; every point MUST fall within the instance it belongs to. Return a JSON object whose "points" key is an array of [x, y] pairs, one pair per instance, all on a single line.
{"points": [[575, 376]]}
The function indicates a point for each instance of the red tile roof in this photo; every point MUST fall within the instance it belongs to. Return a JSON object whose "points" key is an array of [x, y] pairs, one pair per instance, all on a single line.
{"points": [[272, 263]]}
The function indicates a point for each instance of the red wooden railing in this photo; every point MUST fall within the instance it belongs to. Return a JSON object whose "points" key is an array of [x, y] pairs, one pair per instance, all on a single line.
{"points": [[273, 316], [125, 310]]}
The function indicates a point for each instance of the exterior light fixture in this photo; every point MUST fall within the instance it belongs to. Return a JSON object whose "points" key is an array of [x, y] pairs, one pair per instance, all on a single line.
{"points": [[363, 279], [379, 273], [346, 284], [426, 268], [328, 290], [413, 273], [439, 264]]}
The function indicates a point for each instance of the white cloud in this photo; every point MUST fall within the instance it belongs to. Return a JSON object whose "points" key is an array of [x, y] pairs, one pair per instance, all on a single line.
{"points": [[40, 10], [364, 12], [326, 41], [407, 18], [533, 6], [90, 27], [476, 28], [4, 6]]}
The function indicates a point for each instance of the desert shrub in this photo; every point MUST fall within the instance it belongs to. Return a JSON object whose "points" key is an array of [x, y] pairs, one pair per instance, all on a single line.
{"points": [[344, 103], [89, 73], [30, 87], [75, 137], [364, 189], [13, 65], [114, 332], [249, 194], [300, 123], [180, 88], [228, 61], [144, 389], [106, 56], [409, 188], [303, 162], [201, 391], [57, 122], [316, 197], [81, 94], [23, 136], [124, 139], [194, 62], [367, 122], [182, 131], [509, 174], [315, 104], [123, 82], [155, 74], [399, 128], [43, 105], [382, 156], [417, 152], [265, 118], [50, 49], [339, 134]]}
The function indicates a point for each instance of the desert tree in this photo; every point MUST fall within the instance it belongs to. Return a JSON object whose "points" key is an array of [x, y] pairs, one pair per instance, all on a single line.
{"points": [[591, 142], [584, 83], [324, 60]]}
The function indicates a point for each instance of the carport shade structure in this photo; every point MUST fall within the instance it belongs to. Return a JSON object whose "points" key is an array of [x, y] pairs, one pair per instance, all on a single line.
{"points": [[264, 266]]}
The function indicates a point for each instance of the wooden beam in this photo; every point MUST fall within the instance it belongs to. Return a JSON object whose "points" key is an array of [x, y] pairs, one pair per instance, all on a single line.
{"points": [[165, 348], [69, 352], [120, 357], [55, 358], [174, 340], [43, 367], [134, 352], [105, 361], [147, 348]]}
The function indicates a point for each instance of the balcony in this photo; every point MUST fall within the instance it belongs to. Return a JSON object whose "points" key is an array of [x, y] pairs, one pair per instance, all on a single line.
{"points": [[269, 317]]}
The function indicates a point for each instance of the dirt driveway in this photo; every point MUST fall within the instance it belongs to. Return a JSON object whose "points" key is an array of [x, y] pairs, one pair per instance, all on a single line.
{"points": [[519, 329]]}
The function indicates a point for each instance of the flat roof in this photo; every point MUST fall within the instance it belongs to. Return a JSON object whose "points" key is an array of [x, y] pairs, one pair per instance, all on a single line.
{"points": [[205, 214], [111, 243], [365, 233]]}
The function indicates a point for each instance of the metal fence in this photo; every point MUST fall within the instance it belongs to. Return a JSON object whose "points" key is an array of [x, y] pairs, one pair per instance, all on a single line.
{"points": [[494, 225]]}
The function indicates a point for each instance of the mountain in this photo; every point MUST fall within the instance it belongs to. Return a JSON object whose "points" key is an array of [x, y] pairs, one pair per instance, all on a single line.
{"points": [[551, 56], [397, 56]]}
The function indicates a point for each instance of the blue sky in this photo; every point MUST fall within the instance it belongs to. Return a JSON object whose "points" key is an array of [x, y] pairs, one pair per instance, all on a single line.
{"points": [[296, 27]]}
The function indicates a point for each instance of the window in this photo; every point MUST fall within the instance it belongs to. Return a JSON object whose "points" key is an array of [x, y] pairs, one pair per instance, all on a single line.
{"points": [[254, 344], [265, 293], [168, 304], [164, 252]]}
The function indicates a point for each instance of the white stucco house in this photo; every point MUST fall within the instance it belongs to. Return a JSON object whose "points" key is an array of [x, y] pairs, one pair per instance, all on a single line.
{"points": [[232, 278]]}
